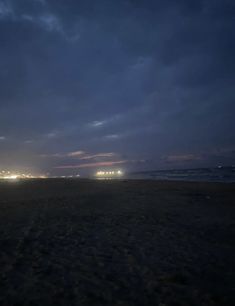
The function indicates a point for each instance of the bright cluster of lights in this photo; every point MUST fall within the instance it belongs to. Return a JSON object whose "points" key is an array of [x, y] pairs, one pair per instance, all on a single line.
{"points": [[109, 173], [8, 175]]}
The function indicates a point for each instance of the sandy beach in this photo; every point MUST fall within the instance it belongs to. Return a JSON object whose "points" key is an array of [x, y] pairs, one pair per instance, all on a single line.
{"points": [[81, 242]]}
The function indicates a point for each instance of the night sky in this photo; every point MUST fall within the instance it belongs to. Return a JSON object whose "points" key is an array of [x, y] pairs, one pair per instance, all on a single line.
{"points": [[136, 85]]}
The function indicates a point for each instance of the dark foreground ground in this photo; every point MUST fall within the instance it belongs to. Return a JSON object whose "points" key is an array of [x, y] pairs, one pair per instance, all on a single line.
{"points": [[116, 243]]}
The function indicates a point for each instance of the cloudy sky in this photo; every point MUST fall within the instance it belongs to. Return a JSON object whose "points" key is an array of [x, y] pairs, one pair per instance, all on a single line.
{"points": [[116, 83]]}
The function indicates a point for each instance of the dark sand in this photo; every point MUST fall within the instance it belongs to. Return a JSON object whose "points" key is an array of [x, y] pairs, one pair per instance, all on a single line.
{"points": [[116, 243]]}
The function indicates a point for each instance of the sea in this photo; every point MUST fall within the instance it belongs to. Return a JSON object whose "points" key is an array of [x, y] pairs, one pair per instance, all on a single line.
{"points": [[217, 174]]}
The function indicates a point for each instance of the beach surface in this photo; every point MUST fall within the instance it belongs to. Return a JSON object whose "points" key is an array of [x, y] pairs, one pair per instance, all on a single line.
{"points": [[84, 242]]}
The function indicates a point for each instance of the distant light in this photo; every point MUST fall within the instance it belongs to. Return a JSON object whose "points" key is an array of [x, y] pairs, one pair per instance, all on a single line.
{"points": [[7, 175], [109, 174], [11, 177]]}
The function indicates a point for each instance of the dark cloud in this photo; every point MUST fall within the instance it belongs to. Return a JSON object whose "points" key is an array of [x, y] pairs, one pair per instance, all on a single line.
{"points": [[145, 79]]}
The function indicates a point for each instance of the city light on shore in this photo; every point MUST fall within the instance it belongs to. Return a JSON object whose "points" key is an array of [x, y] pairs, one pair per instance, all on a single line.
{"points": [[109, 174], [8, 175]]}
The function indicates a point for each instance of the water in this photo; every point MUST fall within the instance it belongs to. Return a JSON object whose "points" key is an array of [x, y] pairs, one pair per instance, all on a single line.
{"points": [[219, 174]]}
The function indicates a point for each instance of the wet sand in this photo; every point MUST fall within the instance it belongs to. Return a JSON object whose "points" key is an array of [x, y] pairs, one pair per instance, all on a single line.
{"points": [[81, 242]]}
